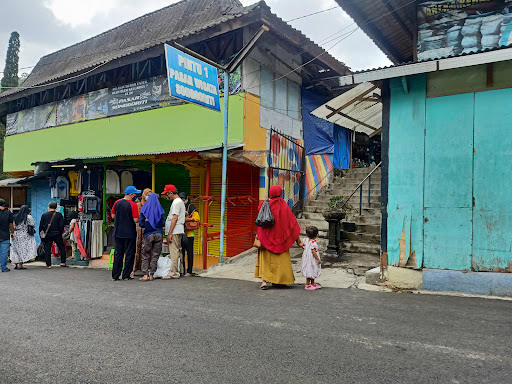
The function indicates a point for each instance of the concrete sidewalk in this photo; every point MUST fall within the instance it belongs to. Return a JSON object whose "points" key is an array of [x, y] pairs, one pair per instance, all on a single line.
{"points": [[241, 267]]}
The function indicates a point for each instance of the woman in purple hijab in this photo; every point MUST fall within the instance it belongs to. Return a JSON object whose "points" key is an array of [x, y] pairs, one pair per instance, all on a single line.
{"points": [[152, 219]]}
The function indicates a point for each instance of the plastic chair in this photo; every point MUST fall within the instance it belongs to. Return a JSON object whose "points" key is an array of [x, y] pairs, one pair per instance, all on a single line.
{"points": [[111, 260]]}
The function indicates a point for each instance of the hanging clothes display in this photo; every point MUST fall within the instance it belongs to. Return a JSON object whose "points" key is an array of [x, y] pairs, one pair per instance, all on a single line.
{"points": [[60, 190], [96, 239], [91, 204], [126, 180], [73, 183], [113, 183]]}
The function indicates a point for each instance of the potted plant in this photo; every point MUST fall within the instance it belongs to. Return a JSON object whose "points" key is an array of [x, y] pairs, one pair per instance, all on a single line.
{"points": [[334, 210]]}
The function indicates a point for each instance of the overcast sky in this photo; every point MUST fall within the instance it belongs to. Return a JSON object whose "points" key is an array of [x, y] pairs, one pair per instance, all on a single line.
{"points": [[46, 26]]}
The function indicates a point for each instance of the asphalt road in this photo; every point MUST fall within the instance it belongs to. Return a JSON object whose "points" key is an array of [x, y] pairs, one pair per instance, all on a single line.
{"points": [[70, 325]]}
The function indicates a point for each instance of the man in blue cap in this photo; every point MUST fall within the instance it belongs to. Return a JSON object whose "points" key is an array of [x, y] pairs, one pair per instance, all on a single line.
{"points": [[125, 213]]}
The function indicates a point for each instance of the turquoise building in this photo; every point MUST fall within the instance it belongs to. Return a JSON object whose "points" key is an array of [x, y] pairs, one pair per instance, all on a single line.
{"points": [[446, 145]]}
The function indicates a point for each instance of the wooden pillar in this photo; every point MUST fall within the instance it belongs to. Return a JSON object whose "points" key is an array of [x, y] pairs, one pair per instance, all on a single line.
{"points": [[206, 215], [153, 177]]}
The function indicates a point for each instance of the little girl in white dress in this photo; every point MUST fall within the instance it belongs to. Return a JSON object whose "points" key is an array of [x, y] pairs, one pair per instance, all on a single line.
{"points": [[311, 264]]}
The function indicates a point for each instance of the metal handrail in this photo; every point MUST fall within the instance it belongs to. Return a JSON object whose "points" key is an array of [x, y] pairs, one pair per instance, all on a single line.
{"points": [[317, 184], [361, 192]]}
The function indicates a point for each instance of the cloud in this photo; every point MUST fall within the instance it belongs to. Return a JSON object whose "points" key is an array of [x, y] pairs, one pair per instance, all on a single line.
{"points": [[49, 25]]}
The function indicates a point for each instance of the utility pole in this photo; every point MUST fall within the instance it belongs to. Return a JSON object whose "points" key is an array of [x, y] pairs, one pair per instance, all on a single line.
{"points": [[230, 68]]}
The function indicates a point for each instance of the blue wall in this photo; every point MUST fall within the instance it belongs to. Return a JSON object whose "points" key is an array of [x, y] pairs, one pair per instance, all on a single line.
{"points": [[40, 196], [406, 169], [449, 200]]}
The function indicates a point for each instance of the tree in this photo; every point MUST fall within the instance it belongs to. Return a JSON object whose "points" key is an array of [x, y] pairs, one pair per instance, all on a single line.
{"points": [[10, 78]]}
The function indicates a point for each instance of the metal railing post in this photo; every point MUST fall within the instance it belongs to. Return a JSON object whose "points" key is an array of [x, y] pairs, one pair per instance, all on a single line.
{"points": [[360, 200], [369, 189]]}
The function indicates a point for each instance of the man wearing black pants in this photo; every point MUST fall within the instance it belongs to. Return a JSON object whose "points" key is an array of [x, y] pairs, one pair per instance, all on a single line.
{"points": [[187, 244], [52, 224], [125, 213]]}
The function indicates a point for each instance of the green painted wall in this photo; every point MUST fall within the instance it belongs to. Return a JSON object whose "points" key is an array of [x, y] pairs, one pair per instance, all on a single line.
{"points": [[160, 130]]}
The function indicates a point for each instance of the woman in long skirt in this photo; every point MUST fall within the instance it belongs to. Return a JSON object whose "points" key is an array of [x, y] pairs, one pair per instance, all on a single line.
{"points": [[24, 246], [274, 264]]}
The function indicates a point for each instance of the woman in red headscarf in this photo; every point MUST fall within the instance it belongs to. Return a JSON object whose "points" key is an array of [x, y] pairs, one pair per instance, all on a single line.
{"points": [[274, 264]]}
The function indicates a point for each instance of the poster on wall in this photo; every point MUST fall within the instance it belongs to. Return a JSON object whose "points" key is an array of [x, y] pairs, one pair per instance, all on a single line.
{"points": [[79, 109], [139, 96], [26, 120], [65, 112], [454, 27], [97, 104], [11, 125], [45, 116]]}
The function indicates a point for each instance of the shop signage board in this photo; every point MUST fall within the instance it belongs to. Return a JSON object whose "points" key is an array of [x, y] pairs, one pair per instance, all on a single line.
{"points": [[139, 96], [191, 79], [454, 27]]}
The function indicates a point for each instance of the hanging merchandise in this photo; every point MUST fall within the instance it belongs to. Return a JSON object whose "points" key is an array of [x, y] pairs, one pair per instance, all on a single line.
{"points": [[60, 190], [126, 180], [96, 239], [91, 180], [113, 183], [91, 204], [73, 183]]}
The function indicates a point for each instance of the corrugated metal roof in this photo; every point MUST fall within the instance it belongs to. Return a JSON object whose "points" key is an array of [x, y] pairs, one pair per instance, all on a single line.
{"points": [[168, 24], [359, 109], [11, 182], [389, 23], [466, 60], [199, 149]]}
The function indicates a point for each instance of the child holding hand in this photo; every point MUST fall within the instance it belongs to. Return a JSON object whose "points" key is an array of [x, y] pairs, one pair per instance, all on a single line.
{"points": [[311, 264]]}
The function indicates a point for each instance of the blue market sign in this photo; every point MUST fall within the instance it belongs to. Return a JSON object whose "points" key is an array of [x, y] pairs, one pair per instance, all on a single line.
{"points": [[191, 79]]}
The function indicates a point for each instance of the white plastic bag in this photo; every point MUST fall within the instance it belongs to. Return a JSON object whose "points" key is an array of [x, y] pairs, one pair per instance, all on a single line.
{"points": [[163, 267]]}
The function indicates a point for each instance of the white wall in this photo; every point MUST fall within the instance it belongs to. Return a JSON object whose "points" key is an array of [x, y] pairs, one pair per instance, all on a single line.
{"points": [[280, 97]]}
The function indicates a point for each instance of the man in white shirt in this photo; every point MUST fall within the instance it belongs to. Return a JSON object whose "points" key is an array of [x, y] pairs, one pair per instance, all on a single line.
{"points": [[174, 229]]}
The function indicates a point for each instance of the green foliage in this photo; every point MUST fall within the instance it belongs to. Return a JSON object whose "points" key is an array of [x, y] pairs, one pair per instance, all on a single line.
{"points": [[2, 138], [336, 202], [10, 78]]}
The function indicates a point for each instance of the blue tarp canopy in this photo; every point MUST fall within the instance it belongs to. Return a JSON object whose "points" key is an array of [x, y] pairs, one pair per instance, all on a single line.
{"points": [[321, 136]]}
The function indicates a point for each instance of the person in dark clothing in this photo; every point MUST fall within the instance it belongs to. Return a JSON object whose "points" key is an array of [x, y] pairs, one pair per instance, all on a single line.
{"points": [[152, 219], [52, 224], [6, 225], [188, 241], [125, 213]]}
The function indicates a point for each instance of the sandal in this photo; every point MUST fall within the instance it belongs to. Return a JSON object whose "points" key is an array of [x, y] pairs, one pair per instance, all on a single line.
{"points": [[167, 277], [317, 286], [264, 287], [309, 287], [132, 275], [144, 278], [151, 277], [63, 265]]}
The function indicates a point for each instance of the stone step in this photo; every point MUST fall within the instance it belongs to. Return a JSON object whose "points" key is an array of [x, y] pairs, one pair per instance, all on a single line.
{"points": [[366, 211], [354, 183], [365, 171], [351, 175], [362, 237], [353, 201], [321, 225], [360, 247], [364, 219], [368, 228], [323, 204], [313, 216]]}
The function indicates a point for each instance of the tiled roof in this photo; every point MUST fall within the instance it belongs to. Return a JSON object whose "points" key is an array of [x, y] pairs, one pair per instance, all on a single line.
{"points": [[171, 23]]}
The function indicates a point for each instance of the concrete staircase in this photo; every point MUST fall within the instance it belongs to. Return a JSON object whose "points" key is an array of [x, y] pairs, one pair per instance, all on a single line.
{"points": [[360, 248]]}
